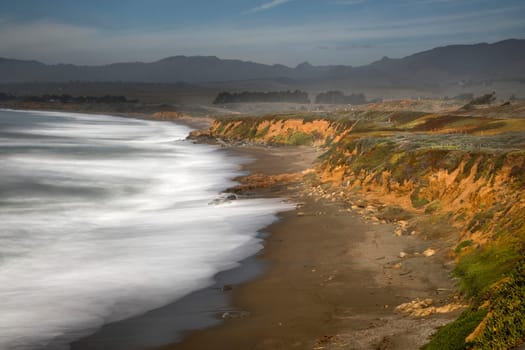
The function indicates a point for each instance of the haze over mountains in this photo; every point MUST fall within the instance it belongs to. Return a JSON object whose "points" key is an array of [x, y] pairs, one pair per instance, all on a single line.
{"points": [[504, 60]]}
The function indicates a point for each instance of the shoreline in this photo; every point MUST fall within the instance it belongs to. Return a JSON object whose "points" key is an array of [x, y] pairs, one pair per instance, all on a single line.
{"points": [[201, 309], [198, 310], [210, 306], [333, 279], [134, 332], [170, 323]]}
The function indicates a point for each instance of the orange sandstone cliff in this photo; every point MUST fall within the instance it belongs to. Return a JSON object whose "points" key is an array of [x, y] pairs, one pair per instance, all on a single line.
{"points": [[457, 171]]}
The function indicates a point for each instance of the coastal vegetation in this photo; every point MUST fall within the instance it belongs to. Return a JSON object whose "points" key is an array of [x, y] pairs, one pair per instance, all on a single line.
{"points": [[465, 173], [65, 98], [486, 99], [452, 175], [295, 96]]}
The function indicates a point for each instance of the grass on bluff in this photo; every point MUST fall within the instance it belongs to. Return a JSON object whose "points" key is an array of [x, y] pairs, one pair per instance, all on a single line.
{"points": [[494, 278], [299, 138], [417, 201], [452, 336], [505, 323], [462, 245], [485, 266], [497, 316]]}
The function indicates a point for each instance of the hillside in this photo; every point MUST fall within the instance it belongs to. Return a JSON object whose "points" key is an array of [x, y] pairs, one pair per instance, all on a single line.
{"points": [[503, 60], [499, 61]]}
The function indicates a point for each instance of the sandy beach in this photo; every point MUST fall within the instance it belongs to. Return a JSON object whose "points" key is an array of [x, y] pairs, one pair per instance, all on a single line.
{"points": [[334, 278]]}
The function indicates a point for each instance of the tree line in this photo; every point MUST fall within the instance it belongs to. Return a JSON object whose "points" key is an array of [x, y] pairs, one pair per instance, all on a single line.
{"points": [[65, 98], [297, 96]]}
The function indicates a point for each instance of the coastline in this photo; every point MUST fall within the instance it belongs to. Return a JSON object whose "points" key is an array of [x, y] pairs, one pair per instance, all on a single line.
{"points": [[333, 281], [429, 211], [198, 310], [210, 306], [169, 323]]}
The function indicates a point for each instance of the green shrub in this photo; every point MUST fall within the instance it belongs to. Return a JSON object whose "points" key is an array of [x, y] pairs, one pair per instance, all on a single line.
{"points": [[505, 324], [462, 245], [418, 202], [481, 219], [328, 141], [469, 164], [373, 153], [263, 132], [300, 138], [452, 336], [451, 161], [481, 268], [503, 312]]}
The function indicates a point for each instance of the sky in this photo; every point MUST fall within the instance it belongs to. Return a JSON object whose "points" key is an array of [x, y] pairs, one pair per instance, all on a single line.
{"points": [[322, 32]]}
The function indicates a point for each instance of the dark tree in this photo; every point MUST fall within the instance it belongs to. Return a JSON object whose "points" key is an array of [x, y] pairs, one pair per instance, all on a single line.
{"points": [[65, 98], [486, 99], [296, 96], [6, 97]]}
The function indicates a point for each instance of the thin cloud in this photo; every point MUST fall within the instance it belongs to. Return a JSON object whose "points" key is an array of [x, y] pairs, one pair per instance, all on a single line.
{"points": [[327, 42], [349, 2], [268, 5], [424, 2], [438, 2], [457, 18]]}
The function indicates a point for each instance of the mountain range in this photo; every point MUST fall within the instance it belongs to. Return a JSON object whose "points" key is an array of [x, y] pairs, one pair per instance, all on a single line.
{"points": [[504, 60]]}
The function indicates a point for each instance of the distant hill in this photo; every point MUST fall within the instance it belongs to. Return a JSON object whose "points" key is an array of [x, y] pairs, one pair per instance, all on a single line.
{"points": [[504, 60], [195, 69]]}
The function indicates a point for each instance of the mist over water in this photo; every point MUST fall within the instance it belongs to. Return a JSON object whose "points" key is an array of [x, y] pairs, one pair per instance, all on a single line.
{"points": [[103, 218]]}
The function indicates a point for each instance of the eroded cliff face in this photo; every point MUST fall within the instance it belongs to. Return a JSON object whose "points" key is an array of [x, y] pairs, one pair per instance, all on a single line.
{"points": [[478, 190], [482, 192], [482, 195], [278, 130]]}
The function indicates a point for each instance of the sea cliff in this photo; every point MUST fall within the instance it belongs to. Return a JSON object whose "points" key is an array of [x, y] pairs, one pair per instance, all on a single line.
{"points": [[450, 176]]}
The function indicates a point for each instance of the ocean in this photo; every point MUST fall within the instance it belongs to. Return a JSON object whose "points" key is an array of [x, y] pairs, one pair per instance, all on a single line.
{"points": [[105, 218]]}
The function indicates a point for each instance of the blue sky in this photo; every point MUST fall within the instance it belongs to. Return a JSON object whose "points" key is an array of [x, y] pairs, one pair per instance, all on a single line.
{"points": [[352, 32]]}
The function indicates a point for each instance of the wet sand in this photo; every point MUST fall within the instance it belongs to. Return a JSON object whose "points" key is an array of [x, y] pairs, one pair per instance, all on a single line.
{"points": [[333, 281], [167, 324], [202, 308]]}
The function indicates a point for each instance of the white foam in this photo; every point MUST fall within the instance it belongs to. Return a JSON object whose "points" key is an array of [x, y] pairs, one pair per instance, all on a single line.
{"points": [[125, 226]]}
